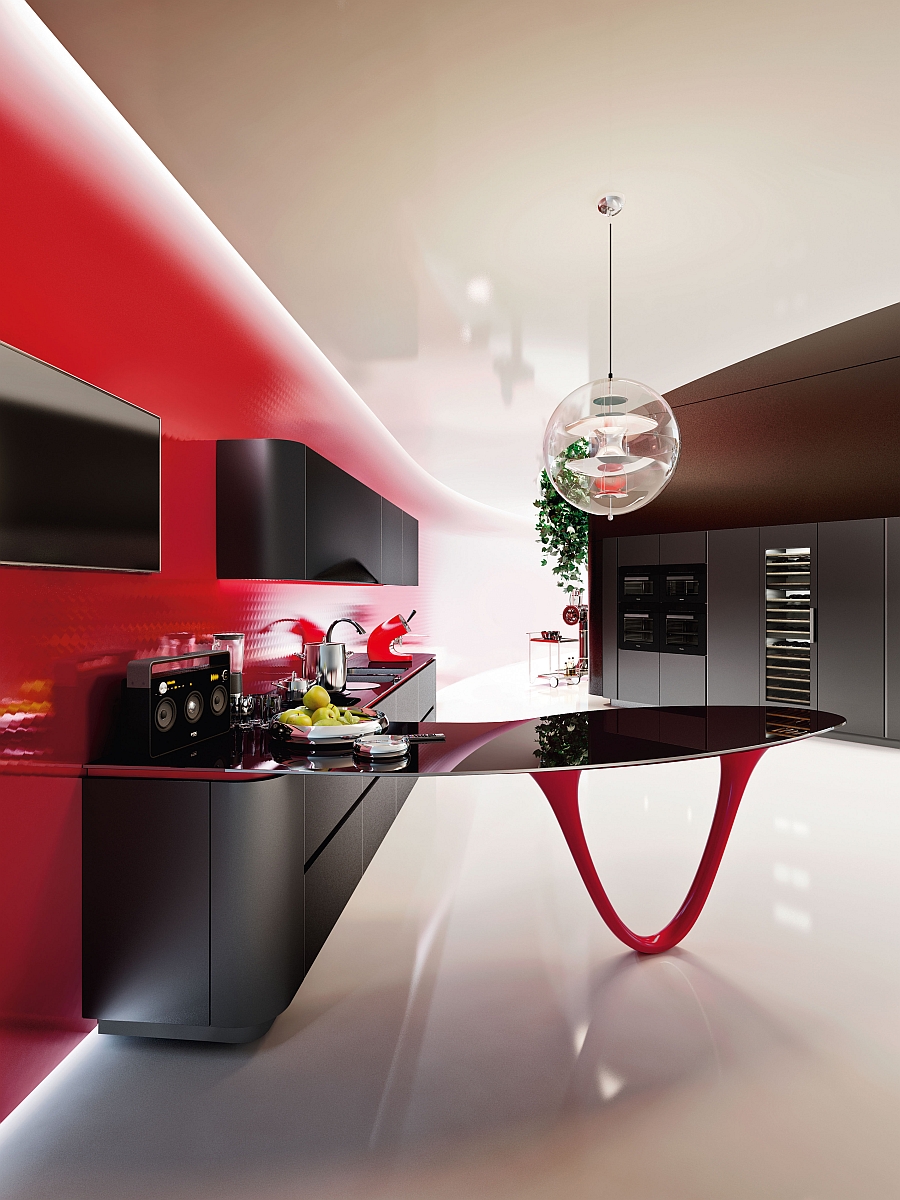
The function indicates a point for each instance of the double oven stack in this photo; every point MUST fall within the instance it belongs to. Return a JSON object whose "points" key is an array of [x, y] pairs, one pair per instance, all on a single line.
{"points": [[663, 609]]}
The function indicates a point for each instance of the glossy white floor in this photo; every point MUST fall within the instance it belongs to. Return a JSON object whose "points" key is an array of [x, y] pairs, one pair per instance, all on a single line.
{"points": [[505, 694], [471, 1029]]}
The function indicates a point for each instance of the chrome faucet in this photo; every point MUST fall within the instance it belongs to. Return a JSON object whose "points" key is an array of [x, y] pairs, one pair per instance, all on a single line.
{"points": [[341, 621]]}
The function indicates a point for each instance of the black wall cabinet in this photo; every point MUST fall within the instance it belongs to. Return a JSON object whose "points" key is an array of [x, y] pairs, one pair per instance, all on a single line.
{"points": [[285, 512]]}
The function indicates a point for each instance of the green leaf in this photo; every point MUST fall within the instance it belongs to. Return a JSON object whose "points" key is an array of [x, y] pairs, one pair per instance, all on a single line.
{"points": [[561, 527]]}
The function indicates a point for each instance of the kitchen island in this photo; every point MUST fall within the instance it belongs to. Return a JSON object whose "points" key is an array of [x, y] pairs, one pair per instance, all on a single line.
{"points": [[211, 882]]}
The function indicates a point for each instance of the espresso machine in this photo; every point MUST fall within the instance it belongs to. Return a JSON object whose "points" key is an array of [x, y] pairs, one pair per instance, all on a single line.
{"points": [[384, 644]]}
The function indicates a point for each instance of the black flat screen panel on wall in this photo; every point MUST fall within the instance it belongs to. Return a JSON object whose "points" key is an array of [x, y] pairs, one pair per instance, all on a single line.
{"points": [[79, 472], [285, 512]]}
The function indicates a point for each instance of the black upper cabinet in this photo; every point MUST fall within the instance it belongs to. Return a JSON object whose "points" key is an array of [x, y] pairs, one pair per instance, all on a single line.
{"points": [[410, 572], [343, 525], [284, 512], [392, 542], [260, 509]]}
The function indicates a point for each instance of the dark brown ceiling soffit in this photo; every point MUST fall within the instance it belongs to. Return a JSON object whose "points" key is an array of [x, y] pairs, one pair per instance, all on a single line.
{"points": [[809, 431]]}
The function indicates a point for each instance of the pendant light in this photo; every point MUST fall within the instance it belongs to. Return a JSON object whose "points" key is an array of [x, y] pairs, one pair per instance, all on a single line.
{"points": [[612, 445]]}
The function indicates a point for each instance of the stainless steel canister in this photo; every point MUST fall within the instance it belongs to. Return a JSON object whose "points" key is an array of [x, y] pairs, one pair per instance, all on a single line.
{"points": [[326, 663]]}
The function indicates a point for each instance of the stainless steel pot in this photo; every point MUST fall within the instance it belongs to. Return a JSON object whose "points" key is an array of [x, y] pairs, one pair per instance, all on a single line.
{"points": [[326, 662]]}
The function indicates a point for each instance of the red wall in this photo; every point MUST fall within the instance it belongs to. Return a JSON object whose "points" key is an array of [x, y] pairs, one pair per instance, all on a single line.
{"points": [[109, 272], [40, 930]]}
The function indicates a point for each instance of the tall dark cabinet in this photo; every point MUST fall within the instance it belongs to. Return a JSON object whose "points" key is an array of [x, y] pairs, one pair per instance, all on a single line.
{"points": [[851, 623], [892, 628], [806, 615], [733, 629]]}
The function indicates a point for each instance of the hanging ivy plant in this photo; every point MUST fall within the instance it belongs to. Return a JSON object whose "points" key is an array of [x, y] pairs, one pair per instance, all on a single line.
{"points": [[563, 529]]}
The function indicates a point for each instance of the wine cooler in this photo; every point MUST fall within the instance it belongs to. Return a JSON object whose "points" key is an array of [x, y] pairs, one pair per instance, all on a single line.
{"points": [[790, 625]]}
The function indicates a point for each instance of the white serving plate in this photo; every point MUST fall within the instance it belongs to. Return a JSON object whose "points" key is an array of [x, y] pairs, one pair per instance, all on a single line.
{"points": [[330, 733]]}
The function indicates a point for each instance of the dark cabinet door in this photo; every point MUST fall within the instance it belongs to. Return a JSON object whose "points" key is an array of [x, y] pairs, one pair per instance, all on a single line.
{"points": [[851, 614], [330, 881], [329, 797], [260, 509], [682, 547], [404, 785], [255, 899], [638, 551], [639, 676], [343, 525], [609, 682], [391, 543], [892, 628], [733, 636], [146, 901], [379, 809], [410, 551], [427, 692], [682, 679]]}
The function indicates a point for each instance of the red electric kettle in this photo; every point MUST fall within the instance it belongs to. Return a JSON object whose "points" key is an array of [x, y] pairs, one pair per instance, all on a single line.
{"points": [[385, 637]]}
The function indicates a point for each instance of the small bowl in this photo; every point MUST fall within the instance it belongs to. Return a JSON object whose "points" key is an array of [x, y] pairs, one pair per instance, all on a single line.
{"points": [[381, 745]]}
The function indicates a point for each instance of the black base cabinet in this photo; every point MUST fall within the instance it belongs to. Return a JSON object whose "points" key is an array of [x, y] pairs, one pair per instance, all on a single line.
{"points": [[204, 904], [331, 879]]}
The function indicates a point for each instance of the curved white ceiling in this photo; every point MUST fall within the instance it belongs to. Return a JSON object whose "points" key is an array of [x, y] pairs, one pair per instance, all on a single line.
{"points": [[416, 182], [305, 397]]}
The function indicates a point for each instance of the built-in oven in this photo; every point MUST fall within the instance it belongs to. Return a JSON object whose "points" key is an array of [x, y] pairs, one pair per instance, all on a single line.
{"points": [[639, 585], [684, 585], [682, 631], [663, 608], [638, 629]]}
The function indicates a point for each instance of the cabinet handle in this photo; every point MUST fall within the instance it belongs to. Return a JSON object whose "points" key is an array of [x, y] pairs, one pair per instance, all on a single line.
{"points": [[813, 630]]}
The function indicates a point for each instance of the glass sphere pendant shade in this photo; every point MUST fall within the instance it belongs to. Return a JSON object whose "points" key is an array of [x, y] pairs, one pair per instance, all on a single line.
{"points": [[611, 447]]}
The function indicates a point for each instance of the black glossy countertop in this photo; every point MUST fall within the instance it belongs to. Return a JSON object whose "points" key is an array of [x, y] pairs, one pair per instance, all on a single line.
{"points": [[57, 744], [377, 690], [605, 737]]}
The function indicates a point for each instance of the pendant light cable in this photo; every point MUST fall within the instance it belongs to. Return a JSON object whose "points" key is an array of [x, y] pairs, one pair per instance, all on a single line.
{"points": [[610, 302]]}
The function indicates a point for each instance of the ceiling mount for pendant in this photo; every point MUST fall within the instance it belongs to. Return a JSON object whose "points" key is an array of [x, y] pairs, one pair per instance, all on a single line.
{"points": [[611, 205]]}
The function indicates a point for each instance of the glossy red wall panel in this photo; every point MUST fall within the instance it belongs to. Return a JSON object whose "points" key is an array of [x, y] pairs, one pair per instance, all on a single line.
{"points": [[110, 272], [40, 930]]}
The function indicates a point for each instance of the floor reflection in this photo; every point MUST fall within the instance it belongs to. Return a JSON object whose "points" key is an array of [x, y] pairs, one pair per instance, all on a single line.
{"points": [[472, 1028]]}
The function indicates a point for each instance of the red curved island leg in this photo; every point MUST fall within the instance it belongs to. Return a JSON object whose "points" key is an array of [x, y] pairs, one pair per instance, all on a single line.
{"points": [[561, 789]]}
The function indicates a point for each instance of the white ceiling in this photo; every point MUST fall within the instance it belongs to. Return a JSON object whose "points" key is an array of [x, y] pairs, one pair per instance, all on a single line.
{"points": [[372, 158]]}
